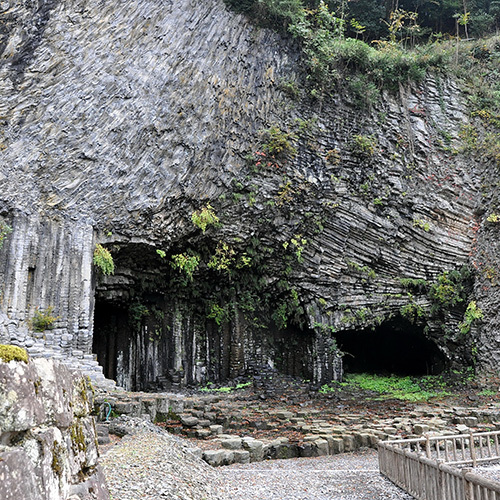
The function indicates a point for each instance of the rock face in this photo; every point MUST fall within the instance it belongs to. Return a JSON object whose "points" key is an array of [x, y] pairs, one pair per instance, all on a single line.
{"points": [[48, 447], [119, 122]]}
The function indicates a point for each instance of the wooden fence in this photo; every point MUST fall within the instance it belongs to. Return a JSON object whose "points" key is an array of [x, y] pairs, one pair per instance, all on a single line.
{"points": [[427, 467]]}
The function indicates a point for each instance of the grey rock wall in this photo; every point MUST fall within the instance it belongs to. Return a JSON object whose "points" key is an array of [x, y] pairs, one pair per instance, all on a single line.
{"points": [[121, 119], [48, 447]]}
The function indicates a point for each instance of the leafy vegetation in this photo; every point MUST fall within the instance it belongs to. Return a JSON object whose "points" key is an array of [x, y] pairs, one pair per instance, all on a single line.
{"points": [[449, 290], [278, 144], [298, 243], [412, 311], [394, 387], [407, 21], [472, 314], [103, 260], [287, 308], [419, 284], [363, 145], [366, 270], [422, 224], [220, 314], [43, 319], [329, 36], [204, 217], [223, 259], [185, 263], [137, 312]]}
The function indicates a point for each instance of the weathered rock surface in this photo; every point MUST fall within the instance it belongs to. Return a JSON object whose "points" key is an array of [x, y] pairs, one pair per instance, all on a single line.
{"points": [[120, 120], [48, 447]]}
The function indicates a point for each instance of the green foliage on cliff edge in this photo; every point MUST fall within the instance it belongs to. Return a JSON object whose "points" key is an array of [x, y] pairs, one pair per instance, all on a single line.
{"points": [[103, 260], [371, 19], [321, 27], [13, 353]]}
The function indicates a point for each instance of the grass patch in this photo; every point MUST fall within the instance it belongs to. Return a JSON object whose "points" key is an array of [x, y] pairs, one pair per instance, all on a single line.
{"points": [[226, 389], [488, 392], [413, 389]]}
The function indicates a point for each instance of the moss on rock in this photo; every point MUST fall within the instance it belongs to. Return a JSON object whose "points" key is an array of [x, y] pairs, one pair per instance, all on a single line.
{"points": [[78, 437], [13, 353]]}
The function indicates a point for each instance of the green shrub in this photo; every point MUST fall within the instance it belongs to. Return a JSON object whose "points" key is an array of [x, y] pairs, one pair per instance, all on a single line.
{"points": [[472, 314], [137, 312], [363, 145], [103, 260], [364, 92], [185, 263], [43, 320], [419, 284], [422, 224], [220, 315], [226, 389], [403, 388], [289, 309], [298, 243], [290, 88], [370, 273], [278, 143], [412, 311], [449, 290], [204, 217], [223, 259]]}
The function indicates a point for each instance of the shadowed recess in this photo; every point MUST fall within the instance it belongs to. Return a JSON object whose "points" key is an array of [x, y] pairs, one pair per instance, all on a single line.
{"points": [[395, 347]]}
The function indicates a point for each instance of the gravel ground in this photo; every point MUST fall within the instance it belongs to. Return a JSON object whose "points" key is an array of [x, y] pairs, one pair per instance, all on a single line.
{"points": [[151, 465], [491, 471], [350, 476]]}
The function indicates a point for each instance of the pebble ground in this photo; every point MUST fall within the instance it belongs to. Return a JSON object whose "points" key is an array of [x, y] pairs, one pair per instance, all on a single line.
{"points": [[153, 466], [349, 476]]}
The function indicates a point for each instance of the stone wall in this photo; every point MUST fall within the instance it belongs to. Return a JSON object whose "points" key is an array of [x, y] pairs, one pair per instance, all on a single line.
{"points": [[119, 121], [48, 447]]}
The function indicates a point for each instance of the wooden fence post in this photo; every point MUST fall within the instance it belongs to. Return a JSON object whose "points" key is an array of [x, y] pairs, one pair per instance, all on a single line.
{"points": [[441, 494], [472, 449], [467, 484]]}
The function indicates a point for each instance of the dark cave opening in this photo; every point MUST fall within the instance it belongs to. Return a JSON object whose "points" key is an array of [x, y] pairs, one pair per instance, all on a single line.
{"points": [[110, 335], [396, 347], [150, 333]]}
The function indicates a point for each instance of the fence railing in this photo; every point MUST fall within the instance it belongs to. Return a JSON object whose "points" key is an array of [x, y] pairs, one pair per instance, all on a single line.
{"points": [[427, 467]]}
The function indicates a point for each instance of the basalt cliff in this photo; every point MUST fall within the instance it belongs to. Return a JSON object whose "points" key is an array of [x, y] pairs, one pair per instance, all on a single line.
{"points": [[253, 226]]}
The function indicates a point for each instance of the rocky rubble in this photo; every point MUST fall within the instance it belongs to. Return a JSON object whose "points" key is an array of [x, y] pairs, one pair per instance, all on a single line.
{"points": [[241, 428]]}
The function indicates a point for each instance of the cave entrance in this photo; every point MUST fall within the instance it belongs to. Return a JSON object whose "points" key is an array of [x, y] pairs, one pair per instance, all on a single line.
{"points": [[110, 335], [396, 347], [129, 336], [152, 332]]}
